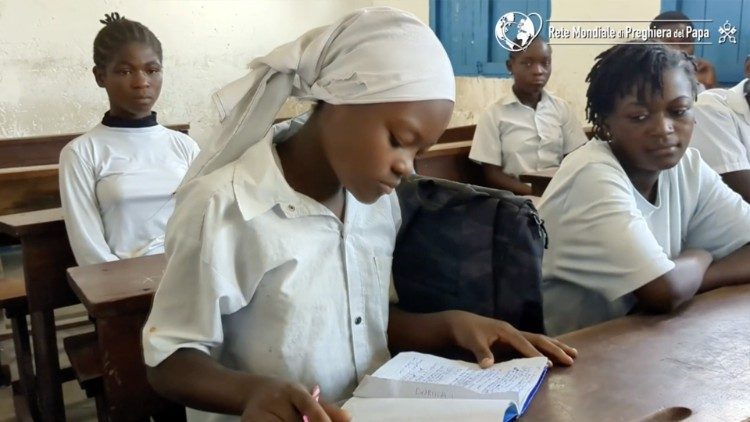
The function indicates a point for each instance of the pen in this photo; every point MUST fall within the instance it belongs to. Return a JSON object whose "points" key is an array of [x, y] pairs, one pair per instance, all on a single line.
{"points": [[315, 395]]}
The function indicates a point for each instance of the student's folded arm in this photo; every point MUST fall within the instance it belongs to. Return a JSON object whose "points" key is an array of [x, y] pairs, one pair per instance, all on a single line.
{"points": [[739, 181], [498, 179], [670, 290], [731, 270]]}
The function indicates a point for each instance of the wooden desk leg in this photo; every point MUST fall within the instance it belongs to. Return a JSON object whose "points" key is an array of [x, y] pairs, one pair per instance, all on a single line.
{"points": [[49, 386], [126, 388], [24, 360]]}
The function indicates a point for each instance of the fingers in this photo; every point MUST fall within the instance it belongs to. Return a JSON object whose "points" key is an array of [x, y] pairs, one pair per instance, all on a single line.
{"points": [[481, 349], [570, 351], [519, 342], [552, 348], [306, 405], [336, 413]]}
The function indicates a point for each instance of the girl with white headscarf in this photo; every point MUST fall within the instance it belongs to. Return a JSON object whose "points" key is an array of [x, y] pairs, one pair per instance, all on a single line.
{"points": [[279, 250]]}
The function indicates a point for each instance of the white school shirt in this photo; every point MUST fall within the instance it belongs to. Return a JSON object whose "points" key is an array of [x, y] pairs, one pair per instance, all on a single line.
{"points": [[269, 281], [520, 139], [722, 128], [606, 240], [116, 187]]}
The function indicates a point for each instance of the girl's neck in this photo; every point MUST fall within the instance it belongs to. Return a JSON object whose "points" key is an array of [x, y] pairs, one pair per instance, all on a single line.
{"points": [[645, 182], [530, 99], [307, 169]]}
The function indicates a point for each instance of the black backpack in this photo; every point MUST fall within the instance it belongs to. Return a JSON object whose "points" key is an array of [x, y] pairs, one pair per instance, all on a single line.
{"points": [[470, 248]]}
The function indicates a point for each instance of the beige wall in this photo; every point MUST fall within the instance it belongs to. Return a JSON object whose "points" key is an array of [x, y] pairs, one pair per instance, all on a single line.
{"points": [[46, 85]]}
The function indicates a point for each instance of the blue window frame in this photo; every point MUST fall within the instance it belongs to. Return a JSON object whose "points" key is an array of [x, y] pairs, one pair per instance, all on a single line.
{"points": [[467, 30], [728, 59]]}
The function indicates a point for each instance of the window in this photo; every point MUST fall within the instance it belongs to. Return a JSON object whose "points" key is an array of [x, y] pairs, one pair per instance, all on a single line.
{"points": [[467, 30], [728, 59]]}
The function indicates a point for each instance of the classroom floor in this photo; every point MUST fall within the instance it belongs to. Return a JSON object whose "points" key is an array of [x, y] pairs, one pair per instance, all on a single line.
{"points": [[78, 408]]}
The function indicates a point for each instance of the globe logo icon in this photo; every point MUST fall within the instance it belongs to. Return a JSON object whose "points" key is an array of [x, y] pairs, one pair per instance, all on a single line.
{"points": [[514, 31]]}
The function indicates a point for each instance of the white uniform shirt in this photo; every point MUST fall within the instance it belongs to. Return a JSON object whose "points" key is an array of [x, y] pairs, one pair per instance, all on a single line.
{"points": [[520, 139], [606, 240], [722, 129], [116, 187], [269, 281]]}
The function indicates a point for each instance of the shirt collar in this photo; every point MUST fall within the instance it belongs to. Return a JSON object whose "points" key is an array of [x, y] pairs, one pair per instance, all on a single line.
{"points": [[259, 184], [113, 121], [738, 102], [510, 98]]}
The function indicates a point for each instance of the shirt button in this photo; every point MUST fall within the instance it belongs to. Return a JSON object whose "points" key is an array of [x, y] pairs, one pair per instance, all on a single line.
{"points": [[290, 207], [358, 320]]}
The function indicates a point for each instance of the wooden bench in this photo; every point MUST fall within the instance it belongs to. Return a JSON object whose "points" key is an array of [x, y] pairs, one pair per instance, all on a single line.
{"points": [[449, 157], [86, 361]]}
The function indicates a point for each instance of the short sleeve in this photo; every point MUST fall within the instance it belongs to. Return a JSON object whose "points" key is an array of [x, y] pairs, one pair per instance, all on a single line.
{"points": [[720, 223], [603, 241], [486, 146], [200, 284], [717, 136]]}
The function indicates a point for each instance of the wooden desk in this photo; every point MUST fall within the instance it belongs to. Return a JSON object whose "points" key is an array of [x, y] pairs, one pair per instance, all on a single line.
{"points": [[118, 296], [30, 188], [46, 255], [539, 180], [450, 161], [696, 361]]}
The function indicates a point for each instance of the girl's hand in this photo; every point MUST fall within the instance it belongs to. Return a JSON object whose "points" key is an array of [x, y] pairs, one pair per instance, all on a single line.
{"points": [[478, 334], [278, 400]]}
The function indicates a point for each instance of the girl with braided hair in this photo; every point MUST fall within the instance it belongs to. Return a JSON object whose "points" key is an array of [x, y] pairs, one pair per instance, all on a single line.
{"points": [[636, 219], [117, 180]]}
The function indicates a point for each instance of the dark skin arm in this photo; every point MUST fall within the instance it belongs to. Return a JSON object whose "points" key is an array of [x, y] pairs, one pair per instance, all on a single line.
{"points": [[439, 330], [694, 272], [738, 181], [496, 178], [193, 378]]}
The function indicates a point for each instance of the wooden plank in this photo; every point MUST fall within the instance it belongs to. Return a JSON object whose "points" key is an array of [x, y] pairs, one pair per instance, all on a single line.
{"points": [[458, 133], [40, 150]]}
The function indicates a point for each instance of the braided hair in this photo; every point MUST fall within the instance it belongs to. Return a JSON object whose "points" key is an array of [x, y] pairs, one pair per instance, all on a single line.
{"points": [[626, 66], [117, 33]]}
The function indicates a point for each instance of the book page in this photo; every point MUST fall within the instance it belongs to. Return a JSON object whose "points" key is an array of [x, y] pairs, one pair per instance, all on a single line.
{"points": [[412, 374], [429, 410]]}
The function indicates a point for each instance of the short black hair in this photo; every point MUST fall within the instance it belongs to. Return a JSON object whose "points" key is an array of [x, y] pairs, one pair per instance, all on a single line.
{"points": [[117, 33], [670, 17], [626, 66], [513, 54]]}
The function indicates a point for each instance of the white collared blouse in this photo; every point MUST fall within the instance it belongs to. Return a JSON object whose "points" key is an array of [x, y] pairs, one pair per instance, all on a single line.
{"points": [[520, 139], [269, 281]]}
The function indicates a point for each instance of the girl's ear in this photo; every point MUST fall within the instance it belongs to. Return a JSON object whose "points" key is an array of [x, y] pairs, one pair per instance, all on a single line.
{"points": [[99, 76], [507, 65]]}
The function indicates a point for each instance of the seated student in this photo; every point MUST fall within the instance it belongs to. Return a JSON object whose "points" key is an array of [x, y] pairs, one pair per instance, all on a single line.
{"points": [[279, 251], [635, 218], [117, 180], [527, 130], [722, 132], [677, 23]]}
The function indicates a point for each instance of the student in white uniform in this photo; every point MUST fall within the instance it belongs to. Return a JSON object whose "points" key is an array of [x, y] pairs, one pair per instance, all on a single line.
{"points": [[528, 129], [280, 248], [117, 180], [722, 132], [636, 220]]}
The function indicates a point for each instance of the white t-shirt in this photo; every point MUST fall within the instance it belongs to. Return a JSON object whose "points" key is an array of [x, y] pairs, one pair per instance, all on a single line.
{"points": [[520, 139], [116, 187], [722, 128], [606, 240], [269, 281]]}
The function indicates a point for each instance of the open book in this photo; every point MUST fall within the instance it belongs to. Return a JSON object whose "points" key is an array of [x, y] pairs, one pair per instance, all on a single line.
{"points": [[418, 387]]}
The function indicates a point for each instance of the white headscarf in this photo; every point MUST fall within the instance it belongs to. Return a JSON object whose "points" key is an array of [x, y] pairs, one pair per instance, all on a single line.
{"points": [[373, 55]]}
